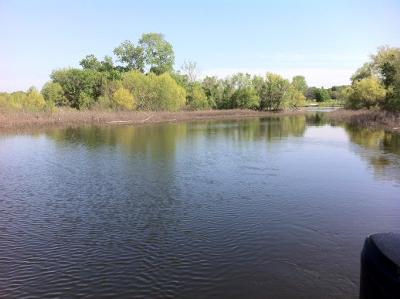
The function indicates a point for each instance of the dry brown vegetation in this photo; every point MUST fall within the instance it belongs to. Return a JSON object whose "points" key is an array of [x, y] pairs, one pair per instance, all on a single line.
{"points": [[72, 117], [368, 118]]}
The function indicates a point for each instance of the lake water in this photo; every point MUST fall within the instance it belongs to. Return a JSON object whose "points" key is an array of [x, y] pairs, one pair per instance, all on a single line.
{"points": [[256, 208]]}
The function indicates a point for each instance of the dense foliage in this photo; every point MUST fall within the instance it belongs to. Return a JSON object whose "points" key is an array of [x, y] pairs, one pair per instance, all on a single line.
{"points": [[141, 77], [31, 100], [377, 83]]}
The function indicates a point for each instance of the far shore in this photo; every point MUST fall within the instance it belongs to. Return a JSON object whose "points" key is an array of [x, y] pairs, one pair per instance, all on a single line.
{"points": [[15, 121], [73, 118]]}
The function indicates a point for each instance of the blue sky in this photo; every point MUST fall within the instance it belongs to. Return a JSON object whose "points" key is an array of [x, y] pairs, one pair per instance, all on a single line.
{"points": [[324, 40]]}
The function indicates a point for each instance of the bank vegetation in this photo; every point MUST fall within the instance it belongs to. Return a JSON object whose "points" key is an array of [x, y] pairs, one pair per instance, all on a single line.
{"points": [[140, 79]]}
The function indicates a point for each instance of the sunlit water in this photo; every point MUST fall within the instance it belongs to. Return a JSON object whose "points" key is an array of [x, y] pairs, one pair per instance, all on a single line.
{"points": [[258, 208]]}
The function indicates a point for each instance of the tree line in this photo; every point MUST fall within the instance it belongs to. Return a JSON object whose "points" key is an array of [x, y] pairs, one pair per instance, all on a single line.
{"points": [[141, 76], [376, 85]]}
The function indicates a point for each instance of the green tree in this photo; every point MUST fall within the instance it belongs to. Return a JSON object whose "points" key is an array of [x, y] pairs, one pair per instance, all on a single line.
{"points": [[365, 93], [34, 100], [363, 72], [273, 92], [321, 95], [387, 64], [169, 95], [310, 93], [53, 92], [132, 57], [196, 97], [299, 83], [90, 62], [159, 54], [81, 87], [294, 98], [244, 94], [213, 90], [155, 92]]}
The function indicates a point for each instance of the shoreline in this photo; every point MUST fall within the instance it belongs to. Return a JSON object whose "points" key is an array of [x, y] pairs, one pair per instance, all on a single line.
{"points": [[370, 119], [10, 121], [22, 121]]}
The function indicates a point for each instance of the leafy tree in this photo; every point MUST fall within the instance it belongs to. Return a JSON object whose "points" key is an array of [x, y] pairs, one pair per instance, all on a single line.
{"points": [[106, 66], [273, 93], [90, 62], [31, 100], [245, 98], [310, 93], [213, 90], [387, 64], [159, 54], [321, 95], [124, 99], [299, 83], [34, 100], [383, 71], [53, 92], [132, 57], [365, 93], [336, 91], [294, 98], [196, 97], [363, 72], [155, 92], [244, 95], [81, 87], [169, 95]]}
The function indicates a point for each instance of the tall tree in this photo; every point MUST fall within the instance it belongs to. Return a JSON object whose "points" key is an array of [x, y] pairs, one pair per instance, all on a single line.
{"points": [[90, 62], [299, 83], [274, 92], [132, 57], [159, 54]]}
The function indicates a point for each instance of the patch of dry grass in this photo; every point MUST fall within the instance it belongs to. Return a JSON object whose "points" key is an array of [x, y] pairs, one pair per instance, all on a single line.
{"points": [[71, 117], [368, 118]]}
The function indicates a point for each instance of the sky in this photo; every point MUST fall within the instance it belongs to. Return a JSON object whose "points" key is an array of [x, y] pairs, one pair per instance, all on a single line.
{"points": [[326, 41]]}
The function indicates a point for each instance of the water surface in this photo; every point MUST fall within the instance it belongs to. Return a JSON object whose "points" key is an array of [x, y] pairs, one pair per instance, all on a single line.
{"points": [[257, 208]]}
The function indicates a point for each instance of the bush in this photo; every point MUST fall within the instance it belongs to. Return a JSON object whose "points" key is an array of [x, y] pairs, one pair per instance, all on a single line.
{"points": [[365, 93], [196, 98], [273, 92], [54, 93], [154, 92], [321, 95], [294, 98], [31, 100], [123, 99], [81, 87]]}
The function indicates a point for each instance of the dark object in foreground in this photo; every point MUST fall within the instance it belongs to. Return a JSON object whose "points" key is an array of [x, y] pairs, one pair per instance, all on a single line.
{"points": [[380, 267]]}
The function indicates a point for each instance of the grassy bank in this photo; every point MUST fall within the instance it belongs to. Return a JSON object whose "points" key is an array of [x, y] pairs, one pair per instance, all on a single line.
{"points": [[374, 119], [72, 117]]}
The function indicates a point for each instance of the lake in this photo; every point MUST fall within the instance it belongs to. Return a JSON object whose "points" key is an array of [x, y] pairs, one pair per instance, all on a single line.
{"points": [[255, 208]]}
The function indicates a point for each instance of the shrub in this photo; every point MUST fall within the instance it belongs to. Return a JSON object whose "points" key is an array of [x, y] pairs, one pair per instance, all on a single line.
{"points": [[123, 99], [81, 87], [53, 92], [365, 93], [154, 92], [196, 98]]}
